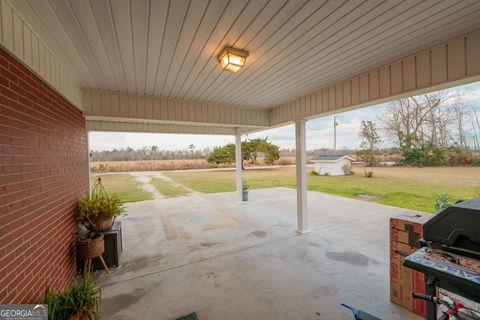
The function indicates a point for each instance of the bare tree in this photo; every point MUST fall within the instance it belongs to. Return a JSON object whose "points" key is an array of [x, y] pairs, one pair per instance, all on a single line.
{"points": [[421, 118], [459, 114], [191, 147], [476, 142], [476, 130]]}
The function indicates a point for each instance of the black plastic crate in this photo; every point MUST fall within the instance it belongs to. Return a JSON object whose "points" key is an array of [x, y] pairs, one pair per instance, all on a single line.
{"points": [[113, 247]]}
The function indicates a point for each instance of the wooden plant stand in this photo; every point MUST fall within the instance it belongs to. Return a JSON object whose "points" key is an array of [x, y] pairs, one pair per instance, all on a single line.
{"points": [[87, 264], [92, 249]]}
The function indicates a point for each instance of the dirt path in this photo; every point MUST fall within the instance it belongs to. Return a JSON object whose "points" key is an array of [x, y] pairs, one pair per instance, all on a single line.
{"points": [[144, 179], [169, 180]]}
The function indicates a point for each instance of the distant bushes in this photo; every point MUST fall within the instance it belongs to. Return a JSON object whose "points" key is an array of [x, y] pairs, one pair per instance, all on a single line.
{"points": [[420, 154], [368, 173], [285, 161]]}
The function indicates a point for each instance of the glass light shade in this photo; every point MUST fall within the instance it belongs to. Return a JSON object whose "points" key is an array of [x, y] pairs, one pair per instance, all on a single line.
{"points": [[232, 60]]}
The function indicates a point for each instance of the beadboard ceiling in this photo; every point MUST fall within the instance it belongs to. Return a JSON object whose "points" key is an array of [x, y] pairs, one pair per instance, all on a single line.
{"points": [[169, 48]]}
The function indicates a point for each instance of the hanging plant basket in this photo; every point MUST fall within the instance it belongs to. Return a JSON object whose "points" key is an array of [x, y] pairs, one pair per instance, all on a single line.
{"points": [[99, 210], [91, 248], [101, 223]]}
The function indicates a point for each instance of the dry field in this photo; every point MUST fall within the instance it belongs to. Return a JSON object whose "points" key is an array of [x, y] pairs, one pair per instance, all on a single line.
{"points": [[149, 165], [464, 177], [167, 165]]}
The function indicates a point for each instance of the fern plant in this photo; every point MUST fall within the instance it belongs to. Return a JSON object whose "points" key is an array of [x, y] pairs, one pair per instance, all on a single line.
{"points": [[80, 301], [99, 203]]}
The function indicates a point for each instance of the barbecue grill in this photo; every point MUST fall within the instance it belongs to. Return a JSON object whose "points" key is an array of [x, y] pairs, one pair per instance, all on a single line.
{"points": [[450, 253]]}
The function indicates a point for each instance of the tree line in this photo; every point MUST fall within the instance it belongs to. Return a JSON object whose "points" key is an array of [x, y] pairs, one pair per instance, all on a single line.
{"points": [[149, 153], [427, 130], [252, 149]]}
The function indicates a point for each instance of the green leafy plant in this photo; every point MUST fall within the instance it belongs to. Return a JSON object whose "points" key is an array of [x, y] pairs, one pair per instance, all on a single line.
{"points": [[57, 307], [443, 201], [326, 174], [314, 173], [251, 150], [245, 186], [420, 153], [80, 301], [370, 140], [99, 204]]}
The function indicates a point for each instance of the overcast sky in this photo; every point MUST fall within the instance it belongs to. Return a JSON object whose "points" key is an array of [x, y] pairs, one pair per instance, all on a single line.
{"points": [[319, 131]]}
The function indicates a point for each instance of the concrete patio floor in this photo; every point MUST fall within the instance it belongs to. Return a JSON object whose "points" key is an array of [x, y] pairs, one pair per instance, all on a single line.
{"points": [[224, 260]]}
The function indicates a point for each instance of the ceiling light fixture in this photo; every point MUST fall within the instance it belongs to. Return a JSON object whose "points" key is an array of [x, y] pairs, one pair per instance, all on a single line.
{"points": [[232, 59]]}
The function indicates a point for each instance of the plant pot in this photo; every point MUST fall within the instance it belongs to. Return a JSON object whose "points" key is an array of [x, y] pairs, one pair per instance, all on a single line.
{"points": [[245, 195], [77, 316], [91, 248], [84, 316], [101, 223]]}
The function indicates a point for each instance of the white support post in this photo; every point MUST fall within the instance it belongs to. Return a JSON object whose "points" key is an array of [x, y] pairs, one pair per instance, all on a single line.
{"points": [[238, 165], [301, 164]]}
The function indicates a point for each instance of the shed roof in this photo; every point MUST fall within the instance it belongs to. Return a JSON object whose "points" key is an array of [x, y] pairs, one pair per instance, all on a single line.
{"points": [[331, 158]]}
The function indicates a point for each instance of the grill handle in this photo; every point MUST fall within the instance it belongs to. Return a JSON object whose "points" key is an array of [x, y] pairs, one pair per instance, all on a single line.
{"points": [[425, 297], [402, 253]]}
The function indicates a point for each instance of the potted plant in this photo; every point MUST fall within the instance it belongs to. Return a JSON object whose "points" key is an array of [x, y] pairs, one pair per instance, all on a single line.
{"points": [[99, 210], [85, 297], [90, 246], [245, 188], [79, 302]]}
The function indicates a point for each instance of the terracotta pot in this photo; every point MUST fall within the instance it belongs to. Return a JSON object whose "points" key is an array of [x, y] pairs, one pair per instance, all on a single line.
{"points": [[101, 223], [77, 316], [91, 248]]}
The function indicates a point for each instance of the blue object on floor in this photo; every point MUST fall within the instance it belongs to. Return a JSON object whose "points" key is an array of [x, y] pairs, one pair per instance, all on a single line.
{"points": [[359, 314]]}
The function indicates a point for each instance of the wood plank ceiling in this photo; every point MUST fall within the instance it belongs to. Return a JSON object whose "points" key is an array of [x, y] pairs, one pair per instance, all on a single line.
{"points": [[169, 48]]}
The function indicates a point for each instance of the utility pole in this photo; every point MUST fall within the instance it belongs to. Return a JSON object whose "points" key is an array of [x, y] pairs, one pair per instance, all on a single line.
{"points": [[335, 124]]}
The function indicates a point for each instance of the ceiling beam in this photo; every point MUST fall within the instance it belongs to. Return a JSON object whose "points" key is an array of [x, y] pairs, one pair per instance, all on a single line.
{"points": [[129, 126], [113, 106]]}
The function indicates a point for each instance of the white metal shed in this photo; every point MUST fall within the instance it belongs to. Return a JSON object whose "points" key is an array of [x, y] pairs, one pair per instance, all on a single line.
{"points": [[332, 165]]}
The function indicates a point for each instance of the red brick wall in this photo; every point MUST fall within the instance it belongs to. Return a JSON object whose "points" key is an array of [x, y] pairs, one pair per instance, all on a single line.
{"points": [[43, 170]]}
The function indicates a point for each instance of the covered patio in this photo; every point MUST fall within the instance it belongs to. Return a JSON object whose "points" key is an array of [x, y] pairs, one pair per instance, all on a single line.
{"points": [[70, 67], [206, 254]]}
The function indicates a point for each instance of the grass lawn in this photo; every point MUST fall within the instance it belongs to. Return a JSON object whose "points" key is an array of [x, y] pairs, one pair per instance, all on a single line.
{"points": [[411, 188], [168, 189], [125, 186]]}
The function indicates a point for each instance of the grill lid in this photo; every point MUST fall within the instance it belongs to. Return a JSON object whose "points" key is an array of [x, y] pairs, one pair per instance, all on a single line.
{"points": [[456, 226]]}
